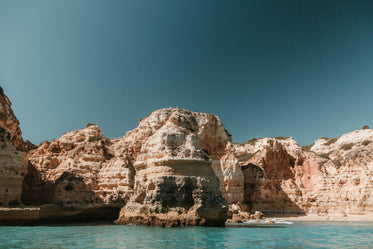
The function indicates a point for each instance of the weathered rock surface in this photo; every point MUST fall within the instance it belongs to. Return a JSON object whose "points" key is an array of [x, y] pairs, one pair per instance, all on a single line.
{"points": [[12, 168], [11, 171], [78, 171], [10, 123], [334, 177], [346, 182], [269, 178], [180, 167], [241, 217], [174, 183], [212, 134], [172, 180]]}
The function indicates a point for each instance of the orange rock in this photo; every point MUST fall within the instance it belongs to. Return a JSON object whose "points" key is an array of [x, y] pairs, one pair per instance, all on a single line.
{"points": [[174, 182], [11, 171], [10, 123]]}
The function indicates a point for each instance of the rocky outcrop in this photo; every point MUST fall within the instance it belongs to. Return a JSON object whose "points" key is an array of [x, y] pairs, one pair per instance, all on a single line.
{"points": [[78, 171], [167, 171], [332, 176], [174, 183], [180, 167], [212, 134], [241, 217], [10, 123], [12, 161], [11, 171], [160, 172], [345, 183], [270, 177]]}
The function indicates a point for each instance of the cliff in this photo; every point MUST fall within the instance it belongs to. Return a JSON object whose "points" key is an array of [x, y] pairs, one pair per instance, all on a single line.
{"points": [[11, 171], [346, 180], [10, 123], [12, 161], [331, 176], [160, 172], [78, 172], [174, 182], [181, 167]]}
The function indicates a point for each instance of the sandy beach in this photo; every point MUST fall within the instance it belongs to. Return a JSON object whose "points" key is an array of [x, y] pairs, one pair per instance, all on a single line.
{"points": [[323, 217]]}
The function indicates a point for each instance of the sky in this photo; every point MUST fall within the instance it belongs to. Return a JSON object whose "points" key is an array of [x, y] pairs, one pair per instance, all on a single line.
{"points": [[302, 69]]}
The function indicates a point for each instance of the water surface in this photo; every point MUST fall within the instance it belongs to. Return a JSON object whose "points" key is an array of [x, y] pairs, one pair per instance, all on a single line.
{"points": [[299, 235]]}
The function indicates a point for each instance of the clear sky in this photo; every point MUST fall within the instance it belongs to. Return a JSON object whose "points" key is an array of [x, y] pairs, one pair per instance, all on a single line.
{"points": [[266, 68]]}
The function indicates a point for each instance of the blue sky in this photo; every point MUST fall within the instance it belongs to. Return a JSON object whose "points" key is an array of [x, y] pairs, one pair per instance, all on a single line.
{"points": [[266, 68]]}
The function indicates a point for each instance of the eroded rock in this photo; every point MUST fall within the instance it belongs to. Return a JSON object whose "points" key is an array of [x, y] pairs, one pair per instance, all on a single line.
{"points": [[174, 183], [78, 171], [11, 171], [10, 123]]}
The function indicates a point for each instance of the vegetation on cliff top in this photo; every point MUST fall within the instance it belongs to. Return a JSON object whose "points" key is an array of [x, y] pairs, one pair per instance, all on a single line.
{"points": [[325, 155], [347, 146], [331, 141], [93, 139], [308, 147], [366, 142]]}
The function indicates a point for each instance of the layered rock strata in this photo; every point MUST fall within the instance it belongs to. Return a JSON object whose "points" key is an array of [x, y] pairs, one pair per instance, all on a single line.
{"points": [[12, 162], [78, 172], [11, 171], [180, 167], [10, 123], [214, 139], [84, 170], [332, 177], [174, 183], [345, 184]]}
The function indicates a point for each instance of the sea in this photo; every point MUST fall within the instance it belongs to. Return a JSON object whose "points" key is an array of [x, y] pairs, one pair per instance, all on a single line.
{"points": [[300, 234]]}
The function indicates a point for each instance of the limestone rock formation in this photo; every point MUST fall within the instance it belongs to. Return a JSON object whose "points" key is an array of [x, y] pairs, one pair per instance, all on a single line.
{"points": [[279, 176], [10, 123], [180, 167], [163, 167], [11, 171], [174, 183], [346, 182], [12, 162], [169, 170], [333, 177], [78, 171], [269, 174]]}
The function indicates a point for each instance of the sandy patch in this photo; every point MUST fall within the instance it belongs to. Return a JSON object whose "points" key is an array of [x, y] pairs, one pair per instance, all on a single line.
{"points": [[322, 217]]}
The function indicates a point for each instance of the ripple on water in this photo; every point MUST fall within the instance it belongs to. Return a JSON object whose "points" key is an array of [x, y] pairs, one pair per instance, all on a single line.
{"points": [[298, 235]]}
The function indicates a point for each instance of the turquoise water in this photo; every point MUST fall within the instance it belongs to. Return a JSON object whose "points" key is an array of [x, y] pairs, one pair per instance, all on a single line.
{"points": [[298, 235]]}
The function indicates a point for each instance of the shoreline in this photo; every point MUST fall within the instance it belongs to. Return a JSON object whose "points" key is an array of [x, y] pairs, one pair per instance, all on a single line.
{"points": [[25, 216], [322, 217]]}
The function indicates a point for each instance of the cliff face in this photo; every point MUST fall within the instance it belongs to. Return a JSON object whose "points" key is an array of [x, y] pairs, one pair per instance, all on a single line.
{"points": [[166, 172], [180, 167], [346, 181], [11, 171], [209, 130], [174, 182], [79, 171], [333, 177], [12, 162], [10, 123], [161, 171], [269, 174]]}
